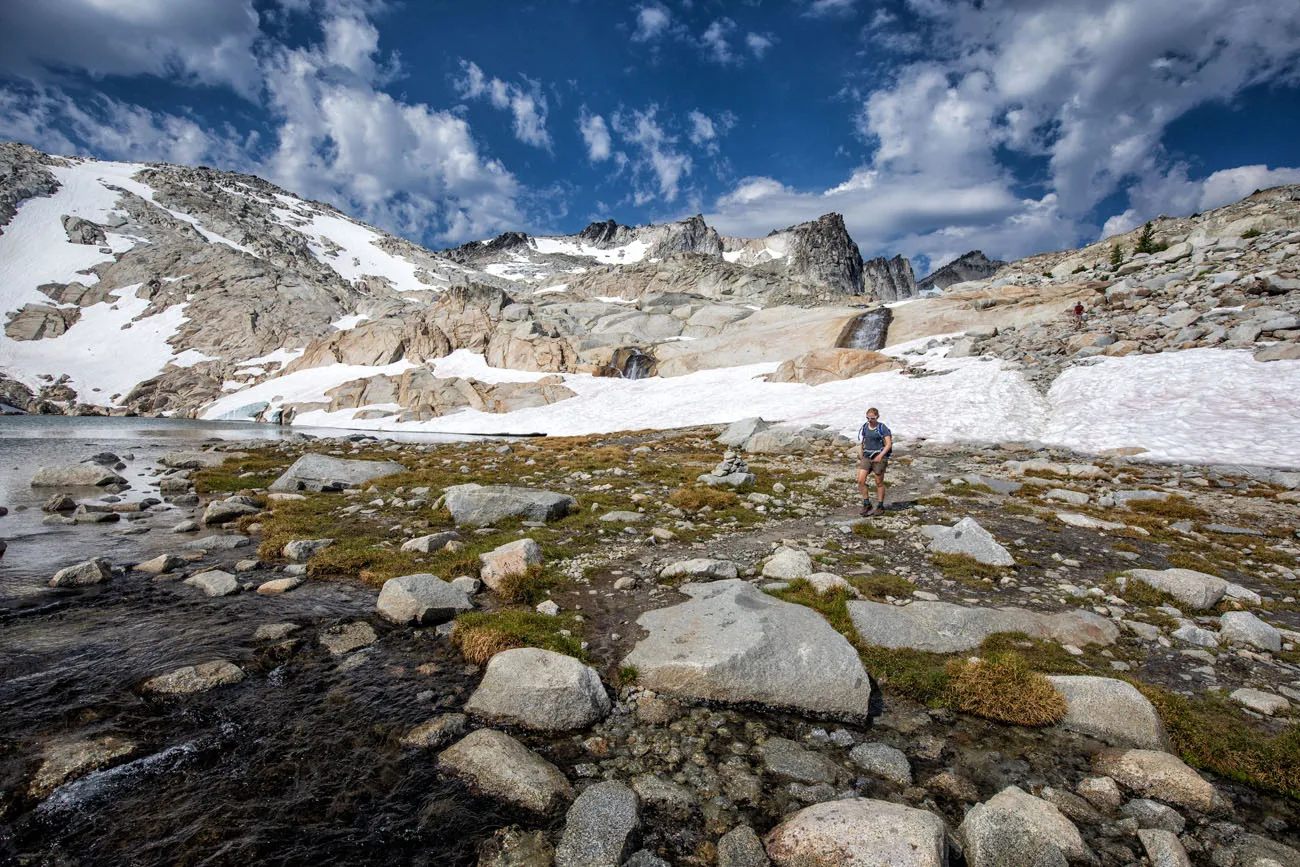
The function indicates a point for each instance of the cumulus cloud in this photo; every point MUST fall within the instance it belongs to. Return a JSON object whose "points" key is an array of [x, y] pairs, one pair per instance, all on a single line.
{"points": [[336, 135], [759, 43], [830, 8], [1085, 89], [595, 132], [716, 41], [202, 41], [527, 106], [652, 22], [657, 159]]}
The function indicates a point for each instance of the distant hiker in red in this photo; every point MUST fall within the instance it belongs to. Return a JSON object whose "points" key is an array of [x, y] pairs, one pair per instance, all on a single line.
{"points": [[1078, 313], [875, 442]]}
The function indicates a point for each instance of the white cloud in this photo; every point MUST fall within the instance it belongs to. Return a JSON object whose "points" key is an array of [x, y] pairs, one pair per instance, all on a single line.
{"points": [[200, 41], [759, 43], [828, 8], [528, 107], [657, 156], [706, 130], [1174, 193], [595, 132], [651, 22], [715, 41]]}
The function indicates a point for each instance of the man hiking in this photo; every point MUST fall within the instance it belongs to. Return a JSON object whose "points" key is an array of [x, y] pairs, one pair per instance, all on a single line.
{"points": [[875, 442]]}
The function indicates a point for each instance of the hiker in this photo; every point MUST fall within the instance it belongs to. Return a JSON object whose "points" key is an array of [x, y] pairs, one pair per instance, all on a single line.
{"points": [[875, 442], [1078, 314]]}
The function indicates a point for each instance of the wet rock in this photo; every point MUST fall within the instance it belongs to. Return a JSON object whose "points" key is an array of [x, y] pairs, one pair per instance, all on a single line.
{"points": [[953, 786], [324, 473], [789, 761], [1260, 701], [84, 515], [224, 511], [883, 761], [741, 847], [1153, 814], [76, 476], [1015, 829], [1110, 710], [540, 690], [214, 582], [1194, 589], [514, 847], [275, 631], [93, 571], [219, 543], [664, 795], [702, 568], [420, 599], [435, 732], [1073, 807], [599, 827], [1102, 792], [186, 527], [656, 710], [430, 544], [501, 767], [278, 586], [508, 561], [67, 761], [732, 642], [1242, 627], [1163, 848], [59, 503], [1156, 775], [479, 505], [348, 637], [969, 538], [788, 564], [859, 832], [302, 550], [942, 627], [194, 678], [160, 565]]}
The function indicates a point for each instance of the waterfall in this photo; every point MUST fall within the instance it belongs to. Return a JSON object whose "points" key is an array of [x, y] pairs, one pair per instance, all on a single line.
{"points": [[867, 331], [637, 366]]}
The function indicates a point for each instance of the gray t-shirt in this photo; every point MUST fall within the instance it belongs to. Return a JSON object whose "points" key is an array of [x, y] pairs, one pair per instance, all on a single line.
{"points": [[873, 440]]}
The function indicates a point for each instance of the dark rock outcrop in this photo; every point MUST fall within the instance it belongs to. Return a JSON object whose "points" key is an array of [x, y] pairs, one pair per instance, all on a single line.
{"points": [[889, 279], [822, 252], [82, 231], [23, 174], [969, 266]]}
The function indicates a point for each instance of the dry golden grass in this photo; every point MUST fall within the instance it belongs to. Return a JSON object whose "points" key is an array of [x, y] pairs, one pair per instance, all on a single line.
{"points": [[1004, 688], [481, 643], [694, 499]]}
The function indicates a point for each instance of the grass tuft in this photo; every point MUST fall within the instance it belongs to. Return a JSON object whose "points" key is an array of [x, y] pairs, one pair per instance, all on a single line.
{"points": [[1175, 507], [1006, 689], [480, 635], [528, 588], [694, 499], [964, 568], [868, 530]]}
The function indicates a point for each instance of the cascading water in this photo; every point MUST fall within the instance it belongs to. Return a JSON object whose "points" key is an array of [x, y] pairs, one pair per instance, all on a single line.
{"points": [[867, 331], [638, 365]]}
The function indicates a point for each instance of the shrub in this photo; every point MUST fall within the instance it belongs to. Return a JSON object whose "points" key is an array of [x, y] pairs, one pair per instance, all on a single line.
{"points": [[1079, 270], [1004, 688], [1146, 242]]}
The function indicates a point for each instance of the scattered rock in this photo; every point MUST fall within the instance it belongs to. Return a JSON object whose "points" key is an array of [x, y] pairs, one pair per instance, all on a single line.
{"points": [[479, 505], [62, 762], [160, 565], [94, 571], [741, 847], [224, 511], [1015, 829], [969, 538], [702, 568], [1260, 701], [1153, 814], [788, 564], [788, 761], [1163, 848], [302, 550], [420, 599], [1194, 589], [59, 503], [622, 517], [883, 761], [219, 543], [435, 732], [942, 627], [599, 827], [1242, 627], [508, 561], [275, 631], [76, 476], [432, 543], [1110, 710], [324, 473], [732, 642], [859, 832], [501, 767], [1102, 792], [540, 690], [214, 582], [278, 586], [1156, 775], [348, 637], [194, 678]]}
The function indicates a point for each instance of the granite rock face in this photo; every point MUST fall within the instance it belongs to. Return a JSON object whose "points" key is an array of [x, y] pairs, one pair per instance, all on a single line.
{"points": [[888, 279]]}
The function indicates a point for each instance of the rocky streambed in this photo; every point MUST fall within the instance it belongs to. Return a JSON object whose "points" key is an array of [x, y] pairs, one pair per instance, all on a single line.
{"points": [[641, 649]]}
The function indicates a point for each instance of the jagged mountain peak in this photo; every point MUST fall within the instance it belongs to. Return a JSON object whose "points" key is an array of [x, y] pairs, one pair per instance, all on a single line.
{"points": [[968, 266]]}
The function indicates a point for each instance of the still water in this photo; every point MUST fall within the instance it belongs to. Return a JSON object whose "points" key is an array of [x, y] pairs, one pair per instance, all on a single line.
{"points": [[300, 763]]}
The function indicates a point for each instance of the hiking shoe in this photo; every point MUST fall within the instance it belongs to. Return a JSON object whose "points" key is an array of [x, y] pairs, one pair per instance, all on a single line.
{"points": [[866, 510], [877, 509]]}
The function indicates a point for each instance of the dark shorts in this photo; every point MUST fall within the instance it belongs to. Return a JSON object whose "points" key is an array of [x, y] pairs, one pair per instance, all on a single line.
{"points": [[876, 467]]}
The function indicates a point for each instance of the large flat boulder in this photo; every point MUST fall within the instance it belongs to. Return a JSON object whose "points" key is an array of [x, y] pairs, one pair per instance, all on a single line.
{"points": [[501, 767], [830, 365], [86, 475], [198, 460], [942, 627], [1194, 589], [1015, 829], [324, 473], [420, 599], [194, 678], [969, 538], [599, 827], [481, 505], [541, 690], [1110, 710], [859, 832], [731, 642], [1157, 775]]}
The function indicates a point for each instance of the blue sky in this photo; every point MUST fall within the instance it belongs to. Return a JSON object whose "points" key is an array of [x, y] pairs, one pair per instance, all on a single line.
{"points": [[934, 126]]}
